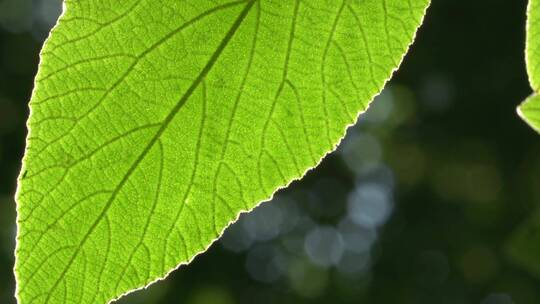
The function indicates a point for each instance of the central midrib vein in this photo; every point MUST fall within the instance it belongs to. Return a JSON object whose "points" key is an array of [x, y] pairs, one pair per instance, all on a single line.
{"points": [[204, 72]]}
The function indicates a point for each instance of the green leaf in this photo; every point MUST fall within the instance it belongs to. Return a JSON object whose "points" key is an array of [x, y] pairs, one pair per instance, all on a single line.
{"points": [[523, 247], [155, 123], [530, 109]]}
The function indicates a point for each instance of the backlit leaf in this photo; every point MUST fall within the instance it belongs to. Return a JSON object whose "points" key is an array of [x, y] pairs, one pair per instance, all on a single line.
{"points": [[154, 123], [530, 109]]}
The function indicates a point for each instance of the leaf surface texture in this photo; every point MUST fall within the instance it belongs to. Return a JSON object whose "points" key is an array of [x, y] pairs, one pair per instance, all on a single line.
{"points": [[529, 110], [155, 123]]}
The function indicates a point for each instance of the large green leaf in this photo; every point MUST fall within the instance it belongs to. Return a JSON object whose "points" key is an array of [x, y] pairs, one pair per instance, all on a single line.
{"points": [[530, 109], [155, 122]]}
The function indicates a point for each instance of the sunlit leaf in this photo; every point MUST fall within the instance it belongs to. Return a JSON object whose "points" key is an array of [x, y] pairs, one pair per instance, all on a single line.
{"points": [[523, 247], [155, 123], [530, 109]]}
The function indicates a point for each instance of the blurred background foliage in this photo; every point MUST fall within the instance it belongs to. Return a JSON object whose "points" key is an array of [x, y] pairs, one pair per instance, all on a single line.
{"points": [[431, 198]]}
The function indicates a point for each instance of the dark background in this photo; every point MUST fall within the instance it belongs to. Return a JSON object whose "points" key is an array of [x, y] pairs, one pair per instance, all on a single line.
{"points": [[419, 204]]}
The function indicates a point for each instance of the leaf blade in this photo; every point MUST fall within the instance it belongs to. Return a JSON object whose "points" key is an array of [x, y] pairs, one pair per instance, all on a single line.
{"points": [[138, 145], [527, 110]]}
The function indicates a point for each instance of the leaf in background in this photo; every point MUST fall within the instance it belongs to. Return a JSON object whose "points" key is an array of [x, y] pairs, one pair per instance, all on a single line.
{"points": [[155, 123], [523, 247], [530, 109]]}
